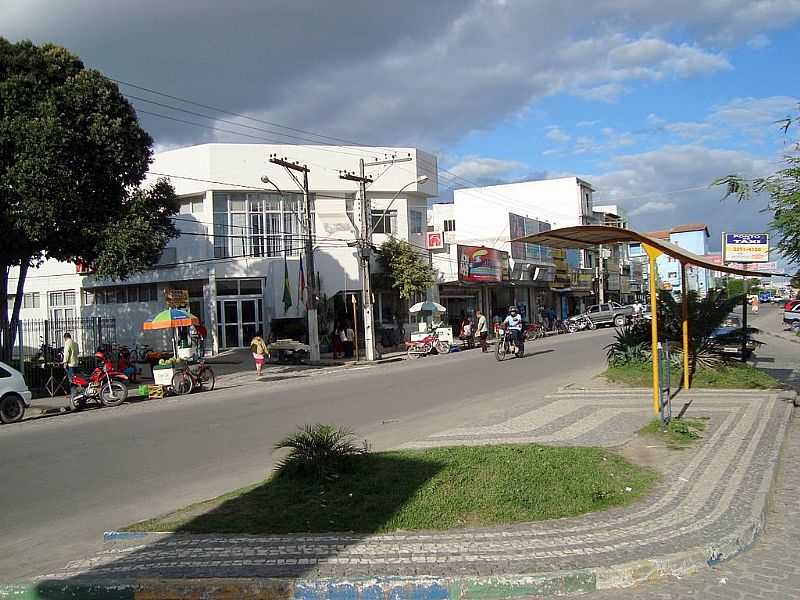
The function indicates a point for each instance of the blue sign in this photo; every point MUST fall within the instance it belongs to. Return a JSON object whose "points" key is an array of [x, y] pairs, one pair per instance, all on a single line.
{"points": [[746, 238]]}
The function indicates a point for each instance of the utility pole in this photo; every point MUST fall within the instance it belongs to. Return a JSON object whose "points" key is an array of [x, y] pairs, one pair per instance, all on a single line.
{"points": [[364, 253], [311, 277], [365, 247], [601, 292]]}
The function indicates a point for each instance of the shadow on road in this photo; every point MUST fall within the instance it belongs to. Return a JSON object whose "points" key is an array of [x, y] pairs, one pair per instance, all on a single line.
{"points": [[330, 516]]}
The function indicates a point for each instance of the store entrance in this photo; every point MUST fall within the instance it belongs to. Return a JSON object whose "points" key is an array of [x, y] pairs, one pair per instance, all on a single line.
{"points": [[238, 320]]}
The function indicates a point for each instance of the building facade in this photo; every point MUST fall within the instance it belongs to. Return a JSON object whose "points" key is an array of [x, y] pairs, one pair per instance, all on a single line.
{"points": [[480, 266], [239, 237]]}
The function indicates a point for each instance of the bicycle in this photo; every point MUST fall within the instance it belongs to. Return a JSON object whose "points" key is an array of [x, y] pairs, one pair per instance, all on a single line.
{"points": [[185, 381], [535, 331]]}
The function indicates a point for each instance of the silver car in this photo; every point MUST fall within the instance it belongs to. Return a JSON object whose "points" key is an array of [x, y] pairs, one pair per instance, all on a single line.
{"points": [[15, 396]]}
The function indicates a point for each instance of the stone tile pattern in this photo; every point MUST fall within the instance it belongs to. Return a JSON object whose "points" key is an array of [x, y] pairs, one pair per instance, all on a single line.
{"points": [[698, 501], [770, 569]]}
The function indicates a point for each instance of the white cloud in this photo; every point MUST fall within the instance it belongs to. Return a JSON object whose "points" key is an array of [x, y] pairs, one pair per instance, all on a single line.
{"points": [[389, 77], [481, 168], [689, 130], [758, 112], [672, 185], [555, 133], [652, 207], [758, 42], [586, 123]]}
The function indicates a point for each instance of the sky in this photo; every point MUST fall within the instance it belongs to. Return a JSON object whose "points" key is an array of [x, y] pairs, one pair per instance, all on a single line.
{"points": [[649, 101]]}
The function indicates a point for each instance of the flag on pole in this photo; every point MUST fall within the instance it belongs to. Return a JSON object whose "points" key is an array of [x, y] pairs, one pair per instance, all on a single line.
{"points": [[301, 285], [287, 293]]}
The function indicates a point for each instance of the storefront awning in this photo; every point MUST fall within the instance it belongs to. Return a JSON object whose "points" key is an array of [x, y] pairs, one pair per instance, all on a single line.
{"points": [[588, 236]]}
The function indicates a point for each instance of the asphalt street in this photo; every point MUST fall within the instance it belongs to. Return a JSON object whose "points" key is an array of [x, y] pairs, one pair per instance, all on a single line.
{"points": [[67, 479]]}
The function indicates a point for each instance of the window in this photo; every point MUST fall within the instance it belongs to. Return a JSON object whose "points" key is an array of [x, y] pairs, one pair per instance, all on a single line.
{"points": [[64, 298], [604, 308], [191, 206], [238, 287], [4, 373], [672, 275], [30, 300], [257, 224], [593, 309], [416, 222], [383, 223], [88, 297], [449, 224]]}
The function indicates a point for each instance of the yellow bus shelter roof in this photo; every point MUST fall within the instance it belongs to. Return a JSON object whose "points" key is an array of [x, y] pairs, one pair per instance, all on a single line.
{"points": [[588, 236]]}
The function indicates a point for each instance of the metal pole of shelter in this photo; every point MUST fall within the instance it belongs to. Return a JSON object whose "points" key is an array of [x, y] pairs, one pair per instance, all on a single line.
{"points": [[653, 254], [685, 325]]}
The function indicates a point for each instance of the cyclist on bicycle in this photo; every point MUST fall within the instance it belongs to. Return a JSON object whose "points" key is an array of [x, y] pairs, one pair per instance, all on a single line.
{"points": [[513, 325]]}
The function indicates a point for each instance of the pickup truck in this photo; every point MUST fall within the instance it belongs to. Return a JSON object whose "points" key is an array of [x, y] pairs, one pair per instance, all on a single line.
{"points": [[609, 313], [791, 315]]}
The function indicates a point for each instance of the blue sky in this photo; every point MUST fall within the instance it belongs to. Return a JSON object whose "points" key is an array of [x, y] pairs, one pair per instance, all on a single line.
{"points": [[642, 98]]}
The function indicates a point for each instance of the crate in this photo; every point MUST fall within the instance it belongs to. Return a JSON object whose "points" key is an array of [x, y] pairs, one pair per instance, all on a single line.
{"points": [[163, 376], [155, 392]]}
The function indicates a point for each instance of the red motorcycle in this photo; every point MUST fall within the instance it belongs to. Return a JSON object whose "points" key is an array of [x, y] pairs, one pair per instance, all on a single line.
{"points": [[427, 345], [105, 386]]}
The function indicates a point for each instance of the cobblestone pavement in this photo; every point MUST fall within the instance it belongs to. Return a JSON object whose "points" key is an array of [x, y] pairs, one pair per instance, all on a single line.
{"points": [[714, 494], [770, 569]]}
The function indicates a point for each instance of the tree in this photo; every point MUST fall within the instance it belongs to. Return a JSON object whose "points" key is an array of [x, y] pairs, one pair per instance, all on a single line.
{"points": [[795, 281], [404, 268], [783, 190], [72, 158], [735, 287]]}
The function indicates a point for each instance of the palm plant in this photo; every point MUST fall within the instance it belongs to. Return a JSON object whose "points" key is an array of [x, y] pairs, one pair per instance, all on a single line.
{"points": [[705, 315], [318, 450]]}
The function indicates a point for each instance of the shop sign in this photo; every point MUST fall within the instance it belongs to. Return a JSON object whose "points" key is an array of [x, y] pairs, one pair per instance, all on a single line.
{"points": [[478, 264], [745, 247], [177, 298], [435, 240]]}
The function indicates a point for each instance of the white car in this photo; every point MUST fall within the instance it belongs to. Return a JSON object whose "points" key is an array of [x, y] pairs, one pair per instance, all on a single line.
{"points": [[15, 396]]}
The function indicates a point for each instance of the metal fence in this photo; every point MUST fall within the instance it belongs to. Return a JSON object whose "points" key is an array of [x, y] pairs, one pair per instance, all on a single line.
{"points": [[40, 343]]}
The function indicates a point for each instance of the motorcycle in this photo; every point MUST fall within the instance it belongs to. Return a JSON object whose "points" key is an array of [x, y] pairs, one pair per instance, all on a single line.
{"points": [[105, 386], [426, 346], [50, 354], [579, 323], [506, 346]]}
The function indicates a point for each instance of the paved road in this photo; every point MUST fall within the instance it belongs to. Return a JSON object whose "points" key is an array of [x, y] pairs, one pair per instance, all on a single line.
{"points": [[67, 479]]}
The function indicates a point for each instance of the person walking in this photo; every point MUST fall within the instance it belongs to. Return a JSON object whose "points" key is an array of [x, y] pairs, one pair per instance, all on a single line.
{"points": [[259, 349], [338, 342], [551, 318], [349, 341], [70, 359], [483, 330]]}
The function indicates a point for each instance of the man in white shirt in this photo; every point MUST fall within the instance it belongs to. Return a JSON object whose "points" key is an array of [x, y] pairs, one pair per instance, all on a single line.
{"points": [[513, 324], [483, 330]]}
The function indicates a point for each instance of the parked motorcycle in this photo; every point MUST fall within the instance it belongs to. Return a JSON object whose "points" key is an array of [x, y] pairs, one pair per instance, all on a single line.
{"points": [[579, 323], [50, 354], [505, 346], [427, 345], [105, 386]]}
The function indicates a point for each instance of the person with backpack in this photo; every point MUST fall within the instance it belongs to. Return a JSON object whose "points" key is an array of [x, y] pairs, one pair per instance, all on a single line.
{"points": [[259, 349]]}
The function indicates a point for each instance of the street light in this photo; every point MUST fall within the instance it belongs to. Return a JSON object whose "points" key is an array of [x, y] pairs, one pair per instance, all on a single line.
{"points": [[420, 179]]}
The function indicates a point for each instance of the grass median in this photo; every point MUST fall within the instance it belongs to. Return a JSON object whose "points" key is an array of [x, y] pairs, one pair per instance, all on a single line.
{"points": [[440, 488], [731, 376]]}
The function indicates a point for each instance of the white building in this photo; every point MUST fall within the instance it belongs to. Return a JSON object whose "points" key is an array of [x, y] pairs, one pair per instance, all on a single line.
{"points": [[235, 232], [535, 277]]}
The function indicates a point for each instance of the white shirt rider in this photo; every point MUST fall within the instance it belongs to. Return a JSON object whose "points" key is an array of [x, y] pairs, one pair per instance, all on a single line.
{"points": [[513, 321]]}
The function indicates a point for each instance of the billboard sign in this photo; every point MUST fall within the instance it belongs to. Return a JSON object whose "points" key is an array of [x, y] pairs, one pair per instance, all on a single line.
{"points": [[435, 240], [518, 227], [177, 298], [745, 247], [478, 264]]}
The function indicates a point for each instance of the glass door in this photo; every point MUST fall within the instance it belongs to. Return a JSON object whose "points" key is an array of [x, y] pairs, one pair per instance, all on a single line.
{"points": [[250, 312]]}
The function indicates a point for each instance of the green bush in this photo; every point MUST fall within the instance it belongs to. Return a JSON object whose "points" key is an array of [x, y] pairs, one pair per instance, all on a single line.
{"points": [[319, 450]]}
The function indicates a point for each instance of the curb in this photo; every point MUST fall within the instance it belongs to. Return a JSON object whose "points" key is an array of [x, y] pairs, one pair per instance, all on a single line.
{"points": [[504, 587], [787, 338]]}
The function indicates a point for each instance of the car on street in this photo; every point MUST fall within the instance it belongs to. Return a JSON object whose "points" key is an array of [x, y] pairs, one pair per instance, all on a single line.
{"points": [[791, 314], [609, 313], [727, 338], [15, 396]]}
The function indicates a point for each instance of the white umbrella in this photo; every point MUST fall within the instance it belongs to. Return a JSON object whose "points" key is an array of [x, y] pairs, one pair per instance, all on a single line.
{"points": [[427, 306]]}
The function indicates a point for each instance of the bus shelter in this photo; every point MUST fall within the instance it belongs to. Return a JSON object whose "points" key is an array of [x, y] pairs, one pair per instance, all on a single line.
{"points": [[589, 236]]}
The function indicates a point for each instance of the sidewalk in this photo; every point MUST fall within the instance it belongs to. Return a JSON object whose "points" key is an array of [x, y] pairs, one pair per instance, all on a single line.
{"points": [[709, 506]]}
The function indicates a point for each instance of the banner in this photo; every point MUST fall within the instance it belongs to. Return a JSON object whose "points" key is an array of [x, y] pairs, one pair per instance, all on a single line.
{"points": [[477, 264], [745, 247], [177, 298]]}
